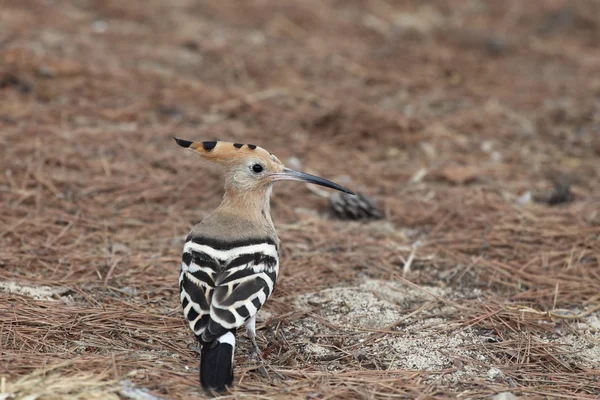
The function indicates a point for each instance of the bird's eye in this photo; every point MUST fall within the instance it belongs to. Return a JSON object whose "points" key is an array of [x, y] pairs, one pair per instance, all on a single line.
{"points": [[257, 168]]}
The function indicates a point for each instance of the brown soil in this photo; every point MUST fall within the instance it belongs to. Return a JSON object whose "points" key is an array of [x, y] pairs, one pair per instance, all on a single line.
{"points": [[474, 124]]}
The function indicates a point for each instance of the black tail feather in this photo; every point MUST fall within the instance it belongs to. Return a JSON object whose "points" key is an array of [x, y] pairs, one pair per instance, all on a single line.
{"points": [[216, 363]]}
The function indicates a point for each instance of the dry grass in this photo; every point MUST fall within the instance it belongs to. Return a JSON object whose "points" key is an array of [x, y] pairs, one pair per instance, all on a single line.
{"points": [[49, 385], [463, 119]]}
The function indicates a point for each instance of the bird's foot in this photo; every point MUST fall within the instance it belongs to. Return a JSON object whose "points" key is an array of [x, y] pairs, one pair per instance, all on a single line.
{"points": [[255, 356]]}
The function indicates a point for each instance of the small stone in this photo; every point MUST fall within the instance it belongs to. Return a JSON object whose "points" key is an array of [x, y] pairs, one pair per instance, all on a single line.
{"points": [[524, 199], [505, 396], [494, 373], [99, 26], [119, 248], [131, 291]]}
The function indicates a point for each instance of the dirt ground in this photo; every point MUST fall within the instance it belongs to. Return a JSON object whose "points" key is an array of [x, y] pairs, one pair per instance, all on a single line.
{"points": [[474, 125]]}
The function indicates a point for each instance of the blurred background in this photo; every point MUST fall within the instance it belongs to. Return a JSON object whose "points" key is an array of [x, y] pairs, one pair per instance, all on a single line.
{"points": [[471, 128]]}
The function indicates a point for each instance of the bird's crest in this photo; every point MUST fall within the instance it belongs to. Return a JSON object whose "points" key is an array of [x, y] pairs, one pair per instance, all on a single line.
{"points": [[227, 152], [250, 166]]}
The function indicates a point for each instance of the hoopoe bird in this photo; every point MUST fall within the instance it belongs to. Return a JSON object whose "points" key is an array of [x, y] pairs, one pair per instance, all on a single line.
{"points": [[230, 260]]}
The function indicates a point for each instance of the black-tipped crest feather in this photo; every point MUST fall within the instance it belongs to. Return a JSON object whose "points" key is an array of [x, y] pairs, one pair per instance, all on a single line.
{"points": [[208, 146], [183, 143]]}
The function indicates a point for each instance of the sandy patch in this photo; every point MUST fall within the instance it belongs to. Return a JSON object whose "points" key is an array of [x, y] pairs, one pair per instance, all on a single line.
{"points": [[423, 342], [35, 292]]}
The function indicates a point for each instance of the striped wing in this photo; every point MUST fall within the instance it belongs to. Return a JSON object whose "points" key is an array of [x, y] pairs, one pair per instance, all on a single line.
{"points": [[224, 284]]}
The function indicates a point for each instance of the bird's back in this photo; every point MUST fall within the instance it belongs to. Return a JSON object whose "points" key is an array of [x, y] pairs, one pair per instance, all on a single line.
{"points": [[229, 269]]}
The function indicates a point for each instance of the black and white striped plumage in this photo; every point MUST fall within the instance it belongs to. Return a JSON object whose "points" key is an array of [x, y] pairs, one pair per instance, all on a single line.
{"points": [[222, 285]]}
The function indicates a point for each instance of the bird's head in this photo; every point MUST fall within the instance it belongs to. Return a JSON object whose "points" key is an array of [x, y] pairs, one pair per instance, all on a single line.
{"points": [[251, 168]]}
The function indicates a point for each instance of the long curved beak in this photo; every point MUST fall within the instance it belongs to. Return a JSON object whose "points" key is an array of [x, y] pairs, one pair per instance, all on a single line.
{"points": [[291, 175]]}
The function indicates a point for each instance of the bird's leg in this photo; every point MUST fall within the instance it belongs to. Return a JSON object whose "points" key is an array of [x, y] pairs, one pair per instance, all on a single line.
{"points": [[251, 332]]}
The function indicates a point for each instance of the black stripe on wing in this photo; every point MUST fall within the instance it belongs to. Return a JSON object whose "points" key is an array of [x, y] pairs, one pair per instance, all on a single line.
{"points": [[197, 294], [212, 332], [225, 316], [272, 275], [201, 259], [192, 314], [252, 258], [243, 312], [200, 325], [234, 304], [199, 297], [186, 258], [240, 274], [204, 260], [256, 303], [268, 263], [244, 291], [203, 276], [197, 282]]}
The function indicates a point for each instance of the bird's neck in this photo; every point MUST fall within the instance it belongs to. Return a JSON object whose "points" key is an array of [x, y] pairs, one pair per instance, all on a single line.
{"points": [[251, 205]]}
